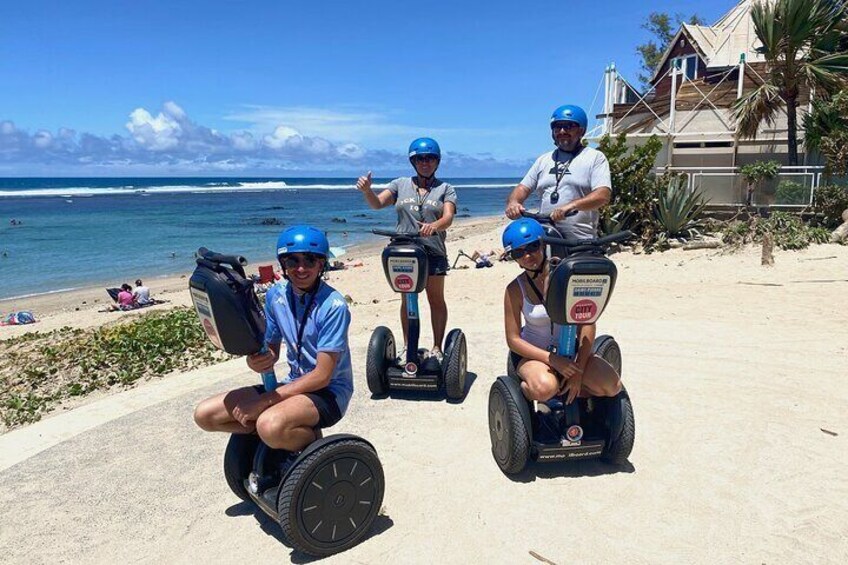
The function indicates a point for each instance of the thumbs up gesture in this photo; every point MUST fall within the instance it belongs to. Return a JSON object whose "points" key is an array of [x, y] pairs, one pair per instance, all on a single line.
{"points": [[363, 183]]}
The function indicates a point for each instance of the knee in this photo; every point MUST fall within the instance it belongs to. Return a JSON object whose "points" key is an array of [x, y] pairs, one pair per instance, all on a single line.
{"points": [[542, 388], [204, 417], [276, 430], [610, 388]]}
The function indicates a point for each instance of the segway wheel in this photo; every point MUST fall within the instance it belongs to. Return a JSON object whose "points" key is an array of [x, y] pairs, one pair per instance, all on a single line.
{"points": [[607, 349], [455, 365], [329, 501], [510, 438], [238, 462], [618, 449], [381, 354]]}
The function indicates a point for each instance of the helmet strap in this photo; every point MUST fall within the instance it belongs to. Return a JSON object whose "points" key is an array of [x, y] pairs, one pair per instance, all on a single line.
{"points": [[542, 268]]}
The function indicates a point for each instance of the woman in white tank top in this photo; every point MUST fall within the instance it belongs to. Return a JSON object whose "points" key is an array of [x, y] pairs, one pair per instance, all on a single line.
{"points": [[545, 374]]}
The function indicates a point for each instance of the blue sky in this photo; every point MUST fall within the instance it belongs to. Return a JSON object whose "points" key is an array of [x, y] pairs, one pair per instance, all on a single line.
{"points": [[286, 88]]}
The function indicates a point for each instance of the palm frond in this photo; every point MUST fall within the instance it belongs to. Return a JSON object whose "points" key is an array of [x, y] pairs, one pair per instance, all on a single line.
{"points": [[761, 105]]}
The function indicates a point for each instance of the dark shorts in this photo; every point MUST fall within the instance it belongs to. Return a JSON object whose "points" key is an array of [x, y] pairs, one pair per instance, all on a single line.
{"points": [[324, 401], [437, 265]]}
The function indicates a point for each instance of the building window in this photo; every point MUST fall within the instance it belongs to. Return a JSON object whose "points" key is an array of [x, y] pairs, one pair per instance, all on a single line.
{"points": [[688, 64]]}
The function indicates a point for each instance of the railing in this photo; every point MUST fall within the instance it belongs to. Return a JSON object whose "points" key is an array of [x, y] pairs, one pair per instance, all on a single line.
{"points": [[792, 187]]}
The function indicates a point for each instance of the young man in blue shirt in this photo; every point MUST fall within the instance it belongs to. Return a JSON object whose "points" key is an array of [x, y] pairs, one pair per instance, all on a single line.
{"points": [[313, 320]]}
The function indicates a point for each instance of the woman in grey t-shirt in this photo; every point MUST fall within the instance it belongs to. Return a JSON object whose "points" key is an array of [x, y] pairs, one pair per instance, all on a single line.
{"points": [[426, 206]]}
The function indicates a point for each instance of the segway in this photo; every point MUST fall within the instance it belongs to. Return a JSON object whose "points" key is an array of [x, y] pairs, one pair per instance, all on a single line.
{"points": [[326, 497], [580, 287], [405, 265]]}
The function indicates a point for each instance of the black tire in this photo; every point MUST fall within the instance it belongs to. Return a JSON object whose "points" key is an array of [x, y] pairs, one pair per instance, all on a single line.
{"points": [[330, 499], [618, 449], [455, 365], [381, 353], [238, 462], [507, 430], [607, 349]]}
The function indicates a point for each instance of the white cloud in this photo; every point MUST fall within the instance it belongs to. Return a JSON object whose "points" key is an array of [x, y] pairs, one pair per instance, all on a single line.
{"points": [[170, 142]]}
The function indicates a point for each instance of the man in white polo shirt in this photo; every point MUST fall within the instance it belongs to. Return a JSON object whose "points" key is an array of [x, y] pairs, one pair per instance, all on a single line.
{"points": [[571, 177]]}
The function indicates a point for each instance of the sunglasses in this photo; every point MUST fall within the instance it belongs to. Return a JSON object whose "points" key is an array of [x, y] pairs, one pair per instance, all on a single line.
{"points": [[567, 126], [308, 260], [424, 158], [517, 254]]}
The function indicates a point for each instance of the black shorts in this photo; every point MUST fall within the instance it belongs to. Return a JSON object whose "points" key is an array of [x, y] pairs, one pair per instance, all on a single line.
{"points": [[325, 402], [437, 265]]}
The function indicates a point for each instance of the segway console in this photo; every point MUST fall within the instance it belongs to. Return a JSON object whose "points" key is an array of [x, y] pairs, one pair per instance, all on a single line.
{"points": [[405, 264], [579, 290], [326, 497]]}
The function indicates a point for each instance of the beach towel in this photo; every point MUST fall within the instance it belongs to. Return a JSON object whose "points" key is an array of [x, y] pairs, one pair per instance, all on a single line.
{"points": [[18, 318]]}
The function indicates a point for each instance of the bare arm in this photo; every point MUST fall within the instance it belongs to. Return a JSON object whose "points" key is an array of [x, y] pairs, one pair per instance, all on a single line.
{"points": [[375, 201], [515, 202]]}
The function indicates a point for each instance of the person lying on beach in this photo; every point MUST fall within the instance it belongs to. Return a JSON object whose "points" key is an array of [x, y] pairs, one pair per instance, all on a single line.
{"points": [[425, 205], [545, 374], [313, 319]]}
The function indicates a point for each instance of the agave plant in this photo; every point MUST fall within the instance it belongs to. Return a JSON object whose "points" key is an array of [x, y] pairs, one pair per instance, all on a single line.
{"points": [[678, 211]]}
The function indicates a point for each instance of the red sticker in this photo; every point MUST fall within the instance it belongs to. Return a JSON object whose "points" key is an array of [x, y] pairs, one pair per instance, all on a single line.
{"points": [[583, 310], [403, 282]]}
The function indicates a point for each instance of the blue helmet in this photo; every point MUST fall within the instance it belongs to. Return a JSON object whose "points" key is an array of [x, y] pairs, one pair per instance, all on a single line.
{"points": [[521, 232], [424, 146], [303, 239], [569, 113]]}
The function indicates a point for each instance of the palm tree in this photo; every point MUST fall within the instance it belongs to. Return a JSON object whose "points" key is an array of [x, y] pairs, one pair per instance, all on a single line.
{"points": [[804, 44]]}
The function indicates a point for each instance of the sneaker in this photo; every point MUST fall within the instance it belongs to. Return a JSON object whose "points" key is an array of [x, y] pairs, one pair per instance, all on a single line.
{"points": [[437, 354]]}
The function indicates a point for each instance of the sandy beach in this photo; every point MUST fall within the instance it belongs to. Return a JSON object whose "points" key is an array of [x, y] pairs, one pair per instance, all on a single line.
{"points": [[736, 372]]}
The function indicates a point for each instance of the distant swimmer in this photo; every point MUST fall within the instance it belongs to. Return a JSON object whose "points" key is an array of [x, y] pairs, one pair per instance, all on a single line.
{"points": [[173, 254], [5, 253]]}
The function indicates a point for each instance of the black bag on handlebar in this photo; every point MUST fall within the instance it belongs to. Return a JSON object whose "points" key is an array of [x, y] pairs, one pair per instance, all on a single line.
{"points": [[226, 304]]}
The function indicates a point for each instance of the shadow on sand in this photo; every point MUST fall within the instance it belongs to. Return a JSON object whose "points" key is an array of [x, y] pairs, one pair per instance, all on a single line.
{"points": [[571, 469], [272, 528]]}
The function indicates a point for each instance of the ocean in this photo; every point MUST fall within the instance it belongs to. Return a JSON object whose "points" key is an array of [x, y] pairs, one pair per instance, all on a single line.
{"points": [[64, 233]]}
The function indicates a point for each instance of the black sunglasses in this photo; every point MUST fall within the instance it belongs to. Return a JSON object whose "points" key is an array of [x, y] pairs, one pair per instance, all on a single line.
{"points": [[517, 254], [424, 158], [294, 261], [567, 126]]}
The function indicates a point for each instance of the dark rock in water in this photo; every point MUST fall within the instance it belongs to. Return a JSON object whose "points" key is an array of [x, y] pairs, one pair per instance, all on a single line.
{"points": [[360, 216], [271, 222], [339, 221], [463, 215], [275, 208], [465, 209]]}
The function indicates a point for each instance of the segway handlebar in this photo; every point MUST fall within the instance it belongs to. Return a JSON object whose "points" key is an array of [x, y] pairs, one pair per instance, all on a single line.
{"points": [[597, 242], [396, 235], [544, 218]]}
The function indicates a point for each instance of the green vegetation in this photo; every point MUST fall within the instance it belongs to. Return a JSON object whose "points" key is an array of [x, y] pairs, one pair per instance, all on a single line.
{"points": [[828, 203], [791, 192], [39, 370], [805, 48], [788, 231], [755, 173], [679, 213], [826, 131]]}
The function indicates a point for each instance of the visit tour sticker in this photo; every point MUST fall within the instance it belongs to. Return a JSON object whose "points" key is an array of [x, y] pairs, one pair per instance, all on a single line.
{"points": [[403, 283], [583, 310]]}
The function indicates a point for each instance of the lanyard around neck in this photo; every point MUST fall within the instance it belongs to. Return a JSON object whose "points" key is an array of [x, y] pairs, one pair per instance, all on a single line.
{"points": [[302, 326]]}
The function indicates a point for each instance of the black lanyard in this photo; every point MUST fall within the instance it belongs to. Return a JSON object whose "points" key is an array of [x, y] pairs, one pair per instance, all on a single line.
{"points": [[538, 294], [303, 318], [559, 172]]}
